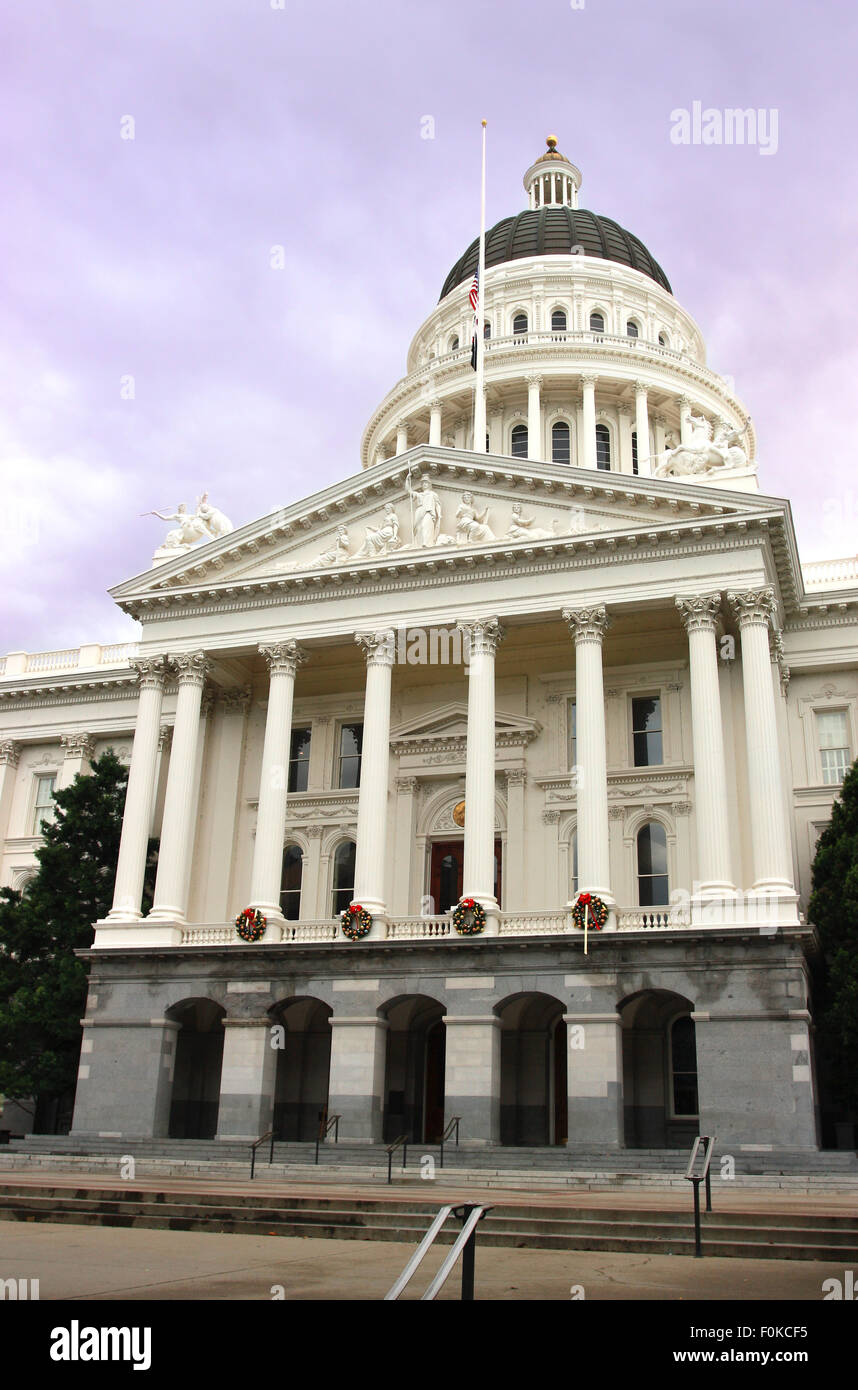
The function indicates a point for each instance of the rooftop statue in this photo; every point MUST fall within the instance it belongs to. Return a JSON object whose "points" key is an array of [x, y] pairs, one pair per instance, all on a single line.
{"points": [[701, 454], [207, 523]]}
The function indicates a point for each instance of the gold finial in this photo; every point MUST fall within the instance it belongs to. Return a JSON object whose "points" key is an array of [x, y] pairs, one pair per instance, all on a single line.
{"points": [[485, 123], [551, 142]]}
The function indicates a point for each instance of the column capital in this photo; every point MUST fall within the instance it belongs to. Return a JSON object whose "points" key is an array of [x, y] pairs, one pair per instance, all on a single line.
{"points": [[378, 647], [151, 672], [753, 607], [483, 635], [683, 402], [699, 612], [624, 411], [283, 658], [588, 379], [516, 776], [641, 388], [237, 700], [77, 745], [435, 403], [165, 736], [191, 668], [10, 752], [406, 784], [587, 624], [534, 380]]}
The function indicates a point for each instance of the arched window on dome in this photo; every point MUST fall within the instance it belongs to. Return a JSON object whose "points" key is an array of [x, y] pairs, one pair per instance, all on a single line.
{"points": [[344, 877], [653, 886], [560, 442], [454, 343], [663, 340], [597, 322], [519, 441], [632, 330], [487, 329], [634, 451], [558, 320], [290, 882], [519, 323], [603, 446]]}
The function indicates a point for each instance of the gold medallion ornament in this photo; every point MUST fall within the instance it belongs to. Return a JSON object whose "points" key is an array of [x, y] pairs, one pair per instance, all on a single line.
{"points": [[459, 813]]}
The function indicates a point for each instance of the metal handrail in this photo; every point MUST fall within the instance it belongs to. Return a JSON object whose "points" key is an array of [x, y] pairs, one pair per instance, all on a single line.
{"points": [[464, 1244], [269, 1134], [696, 1173], [453, 1125], [396, 1289], [333, 1123], [401, 1142]]}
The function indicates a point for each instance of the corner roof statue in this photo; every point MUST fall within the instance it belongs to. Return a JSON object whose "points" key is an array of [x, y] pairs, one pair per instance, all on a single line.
{"points": [[207, 523]]}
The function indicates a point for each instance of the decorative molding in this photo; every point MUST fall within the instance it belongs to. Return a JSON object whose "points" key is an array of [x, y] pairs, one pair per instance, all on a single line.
{"points": [[77, 745], [516, 776], [237, 700], [681, 808], [616, 812], [10, 753], [406, 784]]}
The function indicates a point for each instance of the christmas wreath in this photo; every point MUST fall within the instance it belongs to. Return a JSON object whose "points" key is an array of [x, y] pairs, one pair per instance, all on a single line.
{"points": [[593, 907], [250, 924], [469, 917], [356, 921]]}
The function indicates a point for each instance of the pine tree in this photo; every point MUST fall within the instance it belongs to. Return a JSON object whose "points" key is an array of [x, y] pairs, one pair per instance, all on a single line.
{"points": [[833, 908], [42, 981]]}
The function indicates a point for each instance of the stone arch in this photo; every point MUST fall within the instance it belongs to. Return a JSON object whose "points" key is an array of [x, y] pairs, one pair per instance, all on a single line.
{"points": [[657, 1114], [414, 1077], [197, 1064], [533, 1069], [303, 1066]]}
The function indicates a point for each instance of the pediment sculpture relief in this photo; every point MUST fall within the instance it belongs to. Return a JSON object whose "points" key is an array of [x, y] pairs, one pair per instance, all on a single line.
{"points": [[703, 454]]}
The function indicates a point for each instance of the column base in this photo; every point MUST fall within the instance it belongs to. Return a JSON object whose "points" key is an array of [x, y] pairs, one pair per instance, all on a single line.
{"points": [[133, 935]]}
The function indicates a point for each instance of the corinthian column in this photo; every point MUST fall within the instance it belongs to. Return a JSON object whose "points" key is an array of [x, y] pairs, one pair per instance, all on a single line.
{"points": [[171, 884], [754, 610], [588, 626], [283, 660], [483, 636], [434, 423], [588, 422], [534, 418], [136, 818], [699, 614], [10, 752], [642, 429], [370, 852]]}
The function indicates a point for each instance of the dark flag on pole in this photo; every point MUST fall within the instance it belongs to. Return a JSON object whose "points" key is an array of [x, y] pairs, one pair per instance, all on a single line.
{"points": [[474, 297]]}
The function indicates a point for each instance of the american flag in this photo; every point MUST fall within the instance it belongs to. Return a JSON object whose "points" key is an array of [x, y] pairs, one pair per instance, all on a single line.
{"points": [[474, 295]]}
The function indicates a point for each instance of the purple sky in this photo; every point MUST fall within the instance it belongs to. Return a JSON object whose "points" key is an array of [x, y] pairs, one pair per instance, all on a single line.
{"points": [[257, 126]]}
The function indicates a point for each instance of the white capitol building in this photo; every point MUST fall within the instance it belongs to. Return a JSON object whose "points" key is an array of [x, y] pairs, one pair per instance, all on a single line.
{"points": [[579, 655]]}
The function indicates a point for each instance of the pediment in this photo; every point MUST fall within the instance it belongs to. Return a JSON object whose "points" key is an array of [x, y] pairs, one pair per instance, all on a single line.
{"points": [[427, 509], [449, 723]]}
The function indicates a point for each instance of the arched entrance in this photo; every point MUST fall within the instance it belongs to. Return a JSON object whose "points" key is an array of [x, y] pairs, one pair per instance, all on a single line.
{"points": [[533, 1070], [659, 1070], [196, 1074], [303, 1068], [414, 1069]]}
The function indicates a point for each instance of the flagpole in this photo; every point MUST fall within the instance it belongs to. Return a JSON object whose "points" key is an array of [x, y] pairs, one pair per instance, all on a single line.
{"points": [[479, 444]]}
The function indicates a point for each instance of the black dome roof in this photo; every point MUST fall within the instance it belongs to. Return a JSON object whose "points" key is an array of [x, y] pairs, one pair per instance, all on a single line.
{"points": [[553, 232]]}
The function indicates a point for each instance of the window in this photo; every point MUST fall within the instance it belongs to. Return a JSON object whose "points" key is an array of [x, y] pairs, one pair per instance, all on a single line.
{"points": [[647, 731], [519, 441], [560, 442], [573, 725], [573, 882], [558, 320], [663, 340], [634, 451], [653, 888], [631, 329], [519, 323], [344, 877], [603, 446], [351, 743], [454, 343], [834, 752], [299, 760], [44, 809], [487, 329], [597, 323], [290, 883], [683, 1067]]}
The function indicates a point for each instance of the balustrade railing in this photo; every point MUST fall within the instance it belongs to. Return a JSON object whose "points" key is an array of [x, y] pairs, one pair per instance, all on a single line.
{"points": [[419, 928], [822, 574], [53, 661]]}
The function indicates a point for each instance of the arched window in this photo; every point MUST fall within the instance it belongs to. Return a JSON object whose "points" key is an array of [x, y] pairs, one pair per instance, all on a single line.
{"points": [[487, 329], [558, 320], [663, 339], [603, 446], [631, 329], [653, 888], [519, 441], [519, 323], [344, 876], [290, 883], [454, 343], [597, 323], [560, 442], [634, 451], [683, 1067]]}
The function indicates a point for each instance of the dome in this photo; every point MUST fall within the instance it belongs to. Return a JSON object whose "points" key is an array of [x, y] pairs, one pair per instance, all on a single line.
{"points": [[553, 231]]}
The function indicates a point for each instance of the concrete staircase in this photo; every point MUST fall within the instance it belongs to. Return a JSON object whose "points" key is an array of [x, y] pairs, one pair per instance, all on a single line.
{"points": [[747, 1235]]}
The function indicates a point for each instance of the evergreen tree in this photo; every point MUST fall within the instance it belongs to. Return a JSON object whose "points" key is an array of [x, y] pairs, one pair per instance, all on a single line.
{"points": [[833, 908], [42, 982]]}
